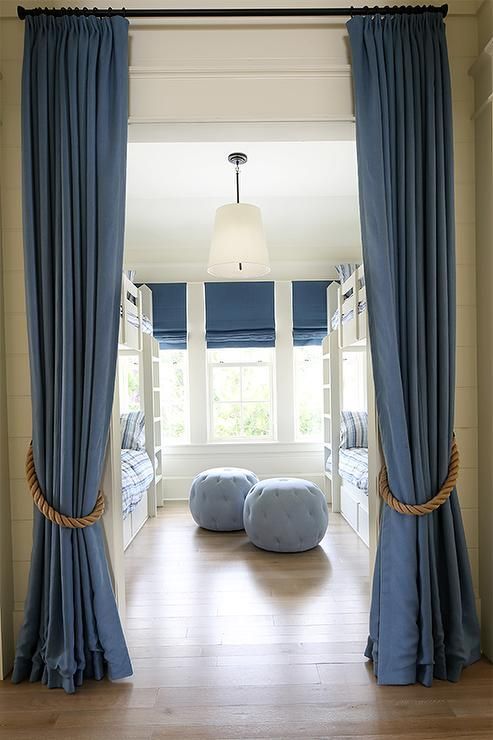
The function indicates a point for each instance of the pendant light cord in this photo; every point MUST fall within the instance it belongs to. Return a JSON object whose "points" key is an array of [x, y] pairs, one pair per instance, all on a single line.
{"points": [[240, 266]]}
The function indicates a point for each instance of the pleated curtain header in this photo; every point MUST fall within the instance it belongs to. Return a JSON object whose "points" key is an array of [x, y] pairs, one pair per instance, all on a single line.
{"points": [[240, 315], [309, 311], [169, 314]]}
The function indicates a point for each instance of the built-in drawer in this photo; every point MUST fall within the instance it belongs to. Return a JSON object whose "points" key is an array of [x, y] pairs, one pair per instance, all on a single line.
{"points": [[139, 515], [349, 507], [364, 524], [127, 530]]}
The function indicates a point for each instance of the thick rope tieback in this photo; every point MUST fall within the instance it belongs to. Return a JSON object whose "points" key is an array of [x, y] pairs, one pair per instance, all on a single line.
{"points": [[431, 505], [72, 522]]}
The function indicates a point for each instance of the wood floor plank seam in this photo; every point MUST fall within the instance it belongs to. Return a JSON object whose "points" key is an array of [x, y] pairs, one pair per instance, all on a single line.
{"points": [[232, 643]]}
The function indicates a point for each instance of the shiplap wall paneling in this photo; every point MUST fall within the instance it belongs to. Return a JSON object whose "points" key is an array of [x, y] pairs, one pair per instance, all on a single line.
{"points": [[482, 75], [287, 73]]}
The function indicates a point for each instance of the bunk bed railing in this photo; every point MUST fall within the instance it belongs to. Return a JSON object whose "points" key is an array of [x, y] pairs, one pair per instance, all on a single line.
{"points": [[131, 320], [352, 309]]}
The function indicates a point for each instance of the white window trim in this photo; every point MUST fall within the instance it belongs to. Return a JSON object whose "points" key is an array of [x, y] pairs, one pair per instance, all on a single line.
{"points": [[283, 408], [229, 440], [284, 367]]}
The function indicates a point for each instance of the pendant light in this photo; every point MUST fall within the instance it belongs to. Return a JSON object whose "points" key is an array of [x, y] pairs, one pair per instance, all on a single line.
{"points": [[238, 248]]}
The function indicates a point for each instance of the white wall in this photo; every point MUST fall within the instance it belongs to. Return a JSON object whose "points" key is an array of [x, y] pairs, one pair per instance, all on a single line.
{"points": [[282, 457], [13, 353], [482, 72], [265, 459], [287, 73], [6, 585], [462, 41]]}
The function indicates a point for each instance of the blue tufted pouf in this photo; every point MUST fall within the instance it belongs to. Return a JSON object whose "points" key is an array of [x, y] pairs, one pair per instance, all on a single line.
{"points": [[285, 515], [217, 497]]}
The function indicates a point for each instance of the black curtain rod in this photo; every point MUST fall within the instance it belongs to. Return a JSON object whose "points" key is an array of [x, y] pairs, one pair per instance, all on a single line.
{"points": [[234, 12]]}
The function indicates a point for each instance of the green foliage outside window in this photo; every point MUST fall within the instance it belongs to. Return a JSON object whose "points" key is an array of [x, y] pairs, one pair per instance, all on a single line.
{"points": [[241, 390], [172, 367], [308, 392]]}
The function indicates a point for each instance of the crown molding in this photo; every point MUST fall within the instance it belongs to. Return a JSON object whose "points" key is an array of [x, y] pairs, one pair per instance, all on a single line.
{"points": [[342, 118], [484, 57], [484, 106], [253, 130], [196, 272], [271, 67]]}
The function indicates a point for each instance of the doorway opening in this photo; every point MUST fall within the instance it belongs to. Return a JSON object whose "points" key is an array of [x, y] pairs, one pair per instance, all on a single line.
{"points": [[214, 600]]}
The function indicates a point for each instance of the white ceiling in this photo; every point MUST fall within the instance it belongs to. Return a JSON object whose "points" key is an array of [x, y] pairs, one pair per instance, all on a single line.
{"points": [[307, 192]]}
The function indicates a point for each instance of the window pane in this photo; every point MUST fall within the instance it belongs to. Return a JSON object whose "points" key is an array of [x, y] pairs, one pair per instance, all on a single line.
{"points": [[256, 420], [255, 383], [173, 420], [172, 367], [227, 420], [172, 377], [308, 382], [226, 383], [240, 354], [241, 393]]}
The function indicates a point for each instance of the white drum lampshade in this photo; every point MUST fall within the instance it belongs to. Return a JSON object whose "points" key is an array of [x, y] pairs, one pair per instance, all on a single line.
{"points": [[238, 248]]}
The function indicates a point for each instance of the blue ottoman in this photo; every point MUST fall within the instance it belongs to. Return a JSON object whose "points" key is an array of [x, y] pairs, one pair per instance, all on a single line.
{"points": [[217, 497], [285, 515]]}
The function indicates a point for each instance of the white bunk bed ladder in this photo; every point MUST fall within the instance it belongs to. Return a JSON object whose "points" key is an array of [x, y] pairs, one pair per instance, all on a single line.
{"points": [[331, 405], [152, 406]]}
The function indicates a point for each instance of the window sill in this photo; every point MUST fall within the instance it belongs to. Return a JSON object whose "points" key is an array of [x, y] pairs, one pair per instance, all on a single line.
{"points": [[259, 448]]}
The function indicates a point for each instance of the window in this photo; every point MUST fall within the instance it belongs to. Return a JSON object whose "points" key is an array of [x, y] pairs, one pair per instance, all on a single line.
{"points": [[240, 394], [308, 392], [128, 372], [174, 399]]}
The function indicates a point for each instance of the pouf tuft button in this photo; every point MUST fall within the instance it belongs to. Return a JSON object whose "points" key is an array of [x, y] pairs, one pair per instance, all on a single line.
{"points": [[217, 497], [286, 515]]}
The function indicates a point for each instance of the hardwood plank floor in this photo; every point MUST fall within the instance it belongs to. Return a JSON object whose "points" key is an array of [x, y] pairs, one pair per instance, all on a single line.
{"points": [[228, 641]]}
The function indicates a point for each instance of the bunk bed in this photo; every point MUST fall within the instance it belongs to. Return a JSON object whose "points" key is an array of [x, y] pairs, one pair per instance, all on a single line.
{"points": [[351, 452], [141, 451]]}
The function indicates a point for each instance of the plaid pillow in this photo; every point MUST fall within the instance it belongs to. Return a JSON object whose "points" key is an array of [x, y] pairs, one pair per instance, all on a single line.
{"points": [[354, 429], [132, 429], [346, 270]]}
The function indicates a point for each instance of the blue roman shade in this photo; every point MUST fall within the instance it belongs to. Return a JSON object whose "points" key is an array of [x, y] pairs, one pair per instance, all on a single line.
{"points": [[169, 309], [309, 311], [240, 315]]}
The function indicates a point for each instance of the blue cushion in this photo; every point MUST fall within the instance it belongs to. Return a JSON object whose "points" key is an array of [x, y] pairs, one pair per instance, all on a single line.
{"points": [[286, 515], [217, 497]]}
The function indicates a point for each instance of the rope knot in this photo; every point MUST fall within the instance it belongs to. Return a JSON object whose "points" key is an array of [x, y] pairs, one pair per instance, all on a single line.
{"points": [[71, 522], [431, 505]]}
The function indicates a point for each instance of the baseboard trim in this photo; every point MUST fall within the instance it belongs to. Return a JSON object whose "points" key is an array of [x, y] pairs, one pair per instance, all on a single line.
{"points": [[176, 488]]}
